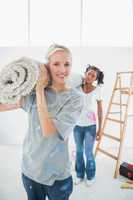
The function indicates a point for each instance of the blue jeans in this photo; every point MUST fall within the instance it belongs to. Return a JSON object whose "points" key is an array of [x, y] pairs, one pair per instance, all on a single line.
{"points": [[60, 190], [84, 139]]}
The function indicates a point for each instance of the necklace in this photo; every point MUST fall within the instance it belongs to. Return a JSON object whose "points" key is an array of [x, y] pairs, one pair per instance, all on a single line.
{"points": [[88, 88]]}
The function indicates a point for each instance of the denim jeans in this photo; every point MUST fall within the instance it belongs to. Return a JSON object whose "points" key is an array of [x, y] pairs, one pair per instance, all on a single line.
{"points": [[84, 139], [60, 190]]}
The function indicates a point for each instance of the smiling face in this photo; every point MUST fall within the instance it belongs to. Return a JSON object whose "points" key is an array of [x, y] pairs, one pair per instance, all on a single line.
{"points": [[90, 76], [60, 66]]}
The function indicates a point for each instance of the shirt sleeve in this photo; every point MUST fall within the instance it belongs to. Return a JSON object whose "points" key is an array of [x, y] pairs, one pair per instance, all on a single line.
{"points": [[99, 93], [28, 101], [68, 116]]}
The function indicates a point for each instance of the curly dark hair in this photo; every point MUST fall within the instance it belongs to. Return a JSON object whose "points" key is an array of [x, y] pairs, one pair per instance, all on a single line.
{"points": [[100, 74]]}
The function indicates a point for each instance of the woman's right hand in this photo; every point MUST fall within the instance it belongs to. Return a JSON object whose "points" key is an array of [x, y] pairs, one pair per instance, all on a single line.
{"points": [[43, 79]]}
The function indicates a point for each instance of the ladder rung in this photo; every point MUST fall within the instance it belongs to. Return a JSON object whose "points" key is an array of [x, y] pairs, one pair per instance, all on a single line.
{"points": [[108, 154], [126, 92], [112, 137], [119, 104], [115, 120], [114, 112], [126, 72], [124, 88]]}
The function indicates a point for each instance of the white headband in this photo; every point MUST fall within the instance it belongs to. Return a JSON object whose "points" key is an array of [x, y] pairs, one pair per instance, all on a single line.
{"points": [[52, 49]]}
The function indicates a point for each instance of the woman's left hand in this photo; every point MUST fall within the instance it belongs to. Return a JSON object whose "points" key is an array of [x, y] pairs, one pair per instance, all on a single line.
{"points": [[43, 77]]}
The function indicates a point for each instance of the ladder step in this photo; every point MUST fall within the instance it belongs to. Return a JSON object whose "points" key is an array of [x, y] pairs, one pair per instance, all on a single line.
{"points": [[126, 92], [114, 103], [108, 154], [126, 72], [115, 120], [124, 88], [114, 112], [112, 137]]}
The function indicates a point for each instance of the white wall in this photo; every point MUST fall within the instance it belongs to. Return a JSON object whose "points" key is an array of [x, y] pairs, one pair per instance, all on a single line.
{"points": [[13, 124]]}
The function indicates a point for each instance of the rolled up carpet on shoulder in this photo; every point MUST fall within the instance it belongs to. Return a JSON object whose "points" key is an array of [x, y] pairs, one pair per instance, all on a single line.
{"points": [[18, 79]]}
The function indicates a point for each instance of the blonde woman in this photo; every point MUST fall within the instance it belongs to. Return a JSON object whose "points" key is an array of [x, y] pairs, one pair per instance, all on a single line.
{"points": [[53, 109]]}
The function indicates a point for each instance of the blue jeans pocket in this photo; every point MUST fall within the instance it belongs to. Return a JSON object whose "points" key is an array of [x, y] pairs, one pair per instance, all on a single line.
{"points": [[92, 130], [60, 190]]}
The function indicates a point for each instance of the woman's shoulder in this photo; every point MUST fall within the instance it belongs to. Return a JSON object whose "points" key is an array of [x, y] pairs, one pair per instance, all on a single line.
{"points": [[74, 100], [76, 95], [77, 91], [99, 92], [98, 88]]}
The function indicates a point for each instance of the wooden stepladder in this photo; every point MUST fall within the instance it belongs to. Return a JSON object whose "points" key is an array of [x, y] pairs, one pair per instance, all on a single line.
{"points": [[120, 99]]}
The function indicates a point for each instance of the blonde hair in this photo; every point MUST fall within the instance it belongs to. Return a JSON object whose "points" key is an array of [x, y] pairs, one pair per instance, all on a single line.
{"points": [[55, 47]]}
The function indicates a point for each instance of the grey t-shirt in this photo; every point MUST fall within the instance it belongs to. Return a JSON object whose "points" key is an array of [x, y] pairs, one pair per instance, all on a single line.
{"points": [[46, 159]]}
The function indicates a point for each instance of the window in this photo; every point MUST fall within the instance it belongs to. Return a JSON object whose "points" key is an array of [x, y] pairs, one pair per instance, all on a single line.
{"points": [[13, 21], [55, 21], [68, 22], [107, 23]]}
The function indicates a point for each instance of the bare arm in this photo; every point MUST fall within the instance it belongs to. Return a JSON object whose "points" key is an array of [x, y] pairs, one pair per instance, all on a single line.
{"points": [[100, 118], [46, 122], [6, 107]]}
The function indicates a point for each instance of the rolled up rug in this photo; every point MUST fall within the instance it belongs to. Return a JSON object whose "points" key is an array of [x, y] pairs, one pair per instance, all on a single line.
{"points": [[18, 79]]}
